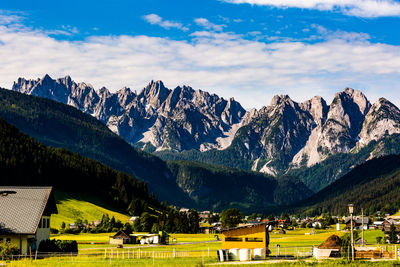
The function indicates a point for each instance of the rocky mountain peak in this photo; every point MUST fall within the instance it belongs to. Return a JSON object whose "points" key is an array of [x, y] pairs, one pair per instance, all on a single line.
{"points": [[155, 93], [104, 92], [46, 78], [317, 107], [382, 119], [278, 99]]}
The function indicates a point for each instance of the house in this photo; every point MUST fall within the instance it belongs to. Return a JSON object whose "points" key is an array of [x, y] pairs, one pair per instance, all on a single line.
{"points": [[184, 210], [73, 226], [25, 216], [204, 214], [96, 223], [133, 218], [388, 222], [120, 238], [357, 222], [377, 225], [250, 237], [206, 228]]}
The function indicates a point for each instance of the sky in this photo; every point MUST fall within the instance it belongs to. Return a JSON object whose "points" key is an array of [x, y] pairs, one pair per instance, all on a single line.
{"points": [[247, 49]]}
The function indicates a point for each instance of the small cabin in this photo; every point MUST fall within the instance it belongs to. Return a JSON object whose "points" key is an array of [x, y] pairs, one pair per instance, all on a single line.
{"points": [[250, 236], [120, 238], [25, 216]]}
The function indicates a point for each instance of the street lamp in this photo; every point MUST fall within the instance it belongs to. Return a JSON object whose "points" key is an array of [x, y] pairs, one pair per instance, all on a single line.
{"points": [[351, 209]]}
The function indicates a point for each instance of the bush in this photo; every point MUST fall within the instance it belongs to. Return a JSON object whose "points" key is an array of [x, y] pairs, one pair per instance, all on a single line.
{"points": [[54, 245], [53, 231], [7, 249]]}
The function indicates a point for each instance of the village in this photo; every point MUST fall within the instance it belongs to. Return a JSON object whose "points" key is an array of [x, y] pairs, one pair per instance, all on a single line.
{"points": [[218, 240]]}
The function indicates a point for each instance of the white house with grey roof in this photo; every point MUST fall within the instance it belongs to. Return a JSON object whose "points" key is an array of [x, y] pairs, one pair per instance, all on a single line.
{"points": [[25, 215]]}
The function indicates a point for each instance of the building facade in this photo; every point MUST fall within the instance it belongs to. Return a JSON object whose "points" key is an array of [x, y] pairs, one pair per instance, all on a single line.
{"points": [[25, 216]]}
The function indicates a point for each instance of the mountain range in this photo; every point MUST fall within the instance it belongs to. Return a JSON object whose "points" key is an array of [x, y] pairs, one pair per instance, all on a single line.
{"points": [[178, 119], [181, 183], [187, 124]]}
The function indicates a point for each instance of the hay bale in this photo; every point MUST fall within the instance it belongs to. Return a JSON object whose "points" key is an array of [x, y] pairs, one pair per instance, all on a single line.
{"points": [[333, 242]]}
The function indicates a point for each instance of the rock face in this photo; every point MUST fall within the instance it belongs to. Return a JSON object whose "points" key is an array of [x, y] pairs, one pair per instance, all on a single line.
{"points": [[178, 119], [338, 131], [382, 119]]}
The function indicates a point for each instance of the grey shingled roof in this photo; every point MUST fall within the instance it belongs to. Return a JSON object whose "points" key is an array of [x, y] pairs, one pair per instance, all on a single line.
{"points": [[21, 211]]}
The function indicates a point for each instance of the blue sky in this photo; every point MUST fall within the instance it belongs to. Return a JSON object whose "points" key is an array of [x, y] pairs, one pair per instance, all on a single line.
{"points": [[247, 49]]}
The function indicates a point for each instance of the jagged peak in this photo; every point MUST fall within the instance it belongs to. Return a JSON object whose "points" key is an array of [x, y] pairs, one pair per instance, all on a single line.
{"points": [[124, 91], [278, 99], [103, 91], [383, 102], [154, 88], [47, 77]]}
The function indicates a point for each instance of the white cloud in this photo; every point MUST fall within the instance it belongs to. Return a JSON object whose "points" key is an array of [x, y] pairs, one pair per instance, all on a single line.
{"points": [[166, 24], [219, 62], [205, 23], [65, 30], [359, 8]]}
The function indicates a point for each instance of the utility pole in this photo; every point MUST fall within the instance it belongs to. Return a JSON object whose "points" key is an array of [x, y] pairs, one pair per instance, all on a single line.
{"points": [[362, 229], [351, 208]]}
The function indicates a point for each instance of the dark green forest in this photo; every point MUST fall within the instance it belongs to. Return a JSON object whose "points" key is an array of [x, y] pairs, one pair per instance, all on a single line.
{"points": [[221, 187], [24, 161], [326, 172], [374, 186]]}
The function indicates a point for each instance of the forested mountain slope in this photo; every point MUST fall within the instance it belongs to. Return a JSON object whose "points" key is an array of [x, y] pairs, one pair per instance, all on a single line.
{"points": [[26, 162], [374, 186]]}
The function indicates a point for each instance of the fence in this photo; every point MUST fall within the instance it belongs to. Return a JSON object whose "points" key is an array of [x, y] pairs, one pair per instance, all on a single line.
{"points": [[143, 253], [147, 253]]}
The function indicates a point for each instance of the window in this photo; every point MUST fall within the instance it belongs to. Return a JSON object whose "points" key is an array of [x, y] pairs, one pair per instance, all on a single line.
{"points": [[48, 222], [233, 239], [254, 239], [40, 223], [44, 223]]}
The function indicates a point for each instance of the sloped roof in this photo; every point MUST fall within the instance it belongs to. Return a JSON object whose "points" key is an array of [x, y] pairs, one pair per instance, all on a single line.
{"points": [[22, 207], [358, 220]]}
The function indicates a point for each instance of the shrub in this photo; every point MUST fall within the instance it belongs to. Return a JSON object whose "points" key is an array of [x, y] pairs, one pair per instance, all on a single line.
{"points": [[54, 245], [7, 248]]}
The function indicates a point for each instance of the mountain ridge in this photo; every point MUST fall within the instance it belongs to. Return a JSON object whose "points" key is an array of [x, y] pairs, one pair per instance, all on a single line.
{"points": [[273, 139]]}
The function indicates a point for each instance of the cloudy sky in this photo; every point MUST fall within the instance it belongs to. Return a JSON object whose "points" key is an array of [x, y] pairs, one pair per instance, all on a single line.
{"points": [[247, 49]]}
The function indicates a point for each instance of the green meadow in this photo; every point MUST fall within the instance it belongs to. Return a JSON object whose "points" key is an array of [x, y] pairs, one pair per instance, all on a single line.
{"points": [[77, 206]]}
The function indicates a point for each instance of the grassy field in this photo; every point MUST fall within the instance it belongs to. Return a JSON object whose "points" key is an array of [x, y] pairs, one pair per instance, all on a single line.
{"points": [[192, 250], [71, 207]]}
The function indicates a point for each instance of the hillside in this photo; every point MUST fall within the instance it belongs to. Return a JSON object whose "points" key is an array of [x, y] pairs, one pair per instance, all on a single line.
{"points": [[217, 187], [63, 126], [72, 206], [24, 161], [374, 186]]}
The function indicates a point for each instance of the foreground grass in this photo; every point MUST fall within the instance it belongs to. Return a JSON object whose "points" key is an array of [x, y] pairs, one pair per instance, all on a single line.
{"points": [[66, 261], [82, 262], [73, 206]]}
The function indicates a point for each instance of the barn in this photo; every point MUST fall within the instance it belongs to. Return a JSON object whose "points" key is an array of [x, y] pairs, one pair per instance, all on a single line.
{"points": [[247, 237]]}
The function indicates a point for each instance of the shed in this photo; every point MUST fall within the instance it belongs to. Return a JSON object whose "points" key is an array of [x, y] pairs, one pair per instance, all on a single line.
{"points": [[120, 238], [250, 236]]}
